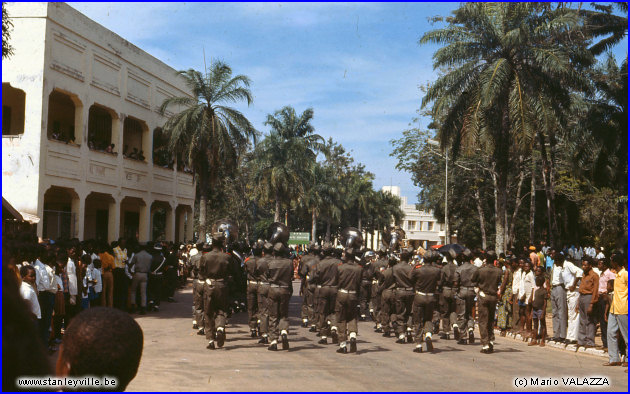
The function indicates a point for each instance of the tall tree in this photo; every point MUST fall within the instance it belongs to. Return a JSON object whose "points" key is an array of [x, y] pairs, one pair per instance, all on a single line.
{"points": [[507, 80], [209, 133]]}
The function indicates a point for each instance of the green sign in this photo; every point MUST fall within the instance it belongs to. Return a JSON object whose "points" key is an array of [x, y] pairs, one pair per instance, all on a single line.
{"points": [[299, 238]]}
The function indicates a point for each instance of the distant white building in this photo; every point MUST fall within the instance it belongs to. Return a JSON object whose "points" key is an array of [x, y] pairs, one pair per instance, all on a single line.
{"points": [[421, 227]]}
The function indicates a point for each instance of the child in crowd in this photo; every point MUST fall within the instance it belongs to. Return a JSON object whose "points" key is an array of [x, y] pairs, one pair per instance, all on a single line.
{"points": [[539, 309], [95, 298]]}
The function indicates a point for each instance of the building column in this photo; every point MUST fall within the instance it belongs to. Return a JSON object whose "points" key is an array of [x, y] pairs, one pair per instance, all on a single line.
{"points": [[113, 223], [144, 225], [169, 232], [181, 225], [189, 224], [78, 208]]}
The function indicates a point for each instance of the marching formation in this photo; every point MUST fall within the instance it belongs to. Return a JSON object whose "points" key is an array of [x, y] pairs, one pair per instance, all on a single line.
{"points": [[413, 299]]}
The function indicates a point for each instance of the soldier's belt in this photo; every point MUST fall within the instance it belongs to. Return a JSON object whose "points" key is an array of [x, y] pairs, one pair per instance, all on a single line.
{"points": [[252, 282], [424, 294], [467, 287], [201, 282], [320, 286], [375, 282], [365, 281], [447, 287], [264, 283], [280, 286], [212, 282], [405, 288], [347, 291]]}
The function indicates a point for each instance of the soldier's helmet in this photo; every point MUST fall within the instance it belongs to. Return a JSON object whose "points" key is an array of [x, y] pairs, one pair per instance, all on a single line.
{"points": [[369, 255], [224, 231], [351, 239], [278, 232]]}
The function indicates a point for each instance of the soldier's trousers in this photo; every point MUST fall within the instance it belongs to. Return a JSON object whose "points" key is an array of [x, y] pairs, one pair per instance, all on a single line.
{"points": [[278, 303], [404, 308], [388, 308], [305, 300], [465, 303], [252, 304], [346, 314], [326, 308], [364, 297], [198, 301], [309, 295], [423, 306], [263, 307], [315, 317], [375, 301], [214, 306], [447, 308], [487, 308]]}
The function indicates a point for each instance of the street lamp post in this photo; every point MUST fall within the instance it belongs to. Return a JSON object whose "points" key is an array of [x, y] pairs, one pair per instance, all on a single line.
{"points": [[447, 237]]}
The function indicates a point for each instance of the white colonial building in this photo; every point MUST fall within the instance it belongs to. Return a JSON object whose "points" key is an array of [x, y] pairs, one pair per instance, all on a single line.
{"points": [[72, 89], [421, 227]]}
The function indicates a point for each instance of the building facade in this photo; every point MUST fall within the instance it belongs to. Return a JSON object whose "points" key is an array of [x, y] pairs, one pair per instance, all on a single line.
{"points": [[80, 125], [421, 227]]}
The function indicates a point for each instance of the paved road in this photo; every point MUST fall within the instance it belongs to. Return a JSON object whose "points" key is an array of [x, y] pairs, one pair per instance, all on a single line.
{"points": [[175, 359]]}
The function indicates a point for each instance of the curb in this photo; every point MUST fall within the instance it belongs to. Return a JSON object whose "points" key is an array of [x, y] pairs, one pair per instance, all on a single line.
{"points": [[561, 346]]}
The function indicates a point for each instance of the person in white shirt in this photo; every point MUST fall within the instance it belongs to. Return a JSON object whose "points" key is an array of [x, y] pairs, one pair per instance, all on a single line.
{"points": [[516, 281], [558, 300], [525, 290], [27, 291], [570, 275], [45, 294], [600, 255], [71, 271], [98, 286]]}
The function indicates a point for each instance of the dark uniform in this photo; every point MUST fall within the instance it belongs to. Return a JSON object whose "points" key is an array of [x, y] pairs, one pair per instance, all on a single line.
{"points": [[262, 264], [487, 278], [404, 299], [465, 299], [326, 281], [280, 274], [425, 280], [252, 293], [215, 268], [307, 264], [349, 286], [197, 292], [387, 289], [376, 270], [155, 281], [447, 296], [366, 287]]}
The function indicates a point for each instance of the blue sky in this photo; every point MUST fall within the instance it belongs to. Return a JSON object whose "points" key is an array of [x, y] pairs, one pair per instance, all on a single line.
{"points": [[358, 65]]}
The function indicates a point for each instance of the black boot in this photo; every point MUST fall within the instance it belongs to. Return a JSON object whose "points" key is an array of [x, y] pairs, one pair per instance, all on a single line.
{"points": [[429, 344], [264, 340], [195, 326], [456, 333], [220, 338], [210, 346], [335, 337], [273, 347], [342, 350], [201, 331], [323, 341], [471, 337], [285, 342], [312, 329], [253, 333], [353, 345]]}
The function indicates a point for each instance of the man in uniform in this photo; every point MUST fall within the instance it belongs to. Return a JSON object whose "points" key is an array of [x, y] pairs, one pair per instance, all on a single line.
{"points": [[263, 292], [349, 285], [447, 296], [198, 315], [425, 280], [387, 289], [487, 279], [465, 302], [215, 268], [366, 281], [252, 287], [308, 264], [404, 295], [377, 269], [326, 281], [280, 274]]}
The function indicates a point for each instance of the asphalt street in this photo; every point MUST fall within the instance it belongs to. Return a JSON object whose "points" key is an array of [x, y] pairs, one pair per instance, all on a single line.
{"points": [[175, 359]]}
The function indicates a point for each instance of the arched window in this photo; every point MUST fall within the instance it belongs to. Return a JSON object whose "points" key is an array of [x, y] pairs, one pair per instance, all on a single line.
{"points": [[13, 105], [100, 135], [63, 117]]}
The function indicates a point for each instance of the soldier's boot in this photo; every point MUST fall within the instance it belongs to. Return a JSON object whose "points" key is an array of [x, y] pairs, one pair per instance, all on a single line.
{"points": [[409, 335], [274, 346], [491, 346], [220, 335], [386, 332], [253, 333], [342, 348], [418, 348], [195, 325], [264, 340], [304, 323], [372, 316], [313, 328], [456, 332], [285, 340], [401, 338], [334, 335], [353, 343], [201, 331], [323, 340], [471, 336], [210, 345], [428, 342]]}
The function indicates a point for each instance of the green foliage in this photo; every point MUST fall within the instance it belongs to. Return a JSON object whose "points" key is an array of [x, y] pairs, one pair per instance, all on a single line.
{"points": [[7, 26]]}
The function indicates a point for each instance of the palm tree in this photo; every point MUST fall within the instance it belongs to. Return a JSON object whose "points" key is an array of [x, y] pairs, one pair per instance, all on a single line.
{"points": [[285, 155], [507, 81], [360, 191], [316, 194], [210, 134]]}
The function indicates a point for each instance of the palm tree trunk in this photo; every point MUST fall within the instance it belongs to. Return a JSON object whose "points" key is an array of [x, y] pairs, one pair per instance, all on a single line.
{"points": [[482, 220], [517, 205], [359, 216], [276, 216], [328, 231], [501, 167], [547, 175], [203, 206], [532, 203], [314, 226]]}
